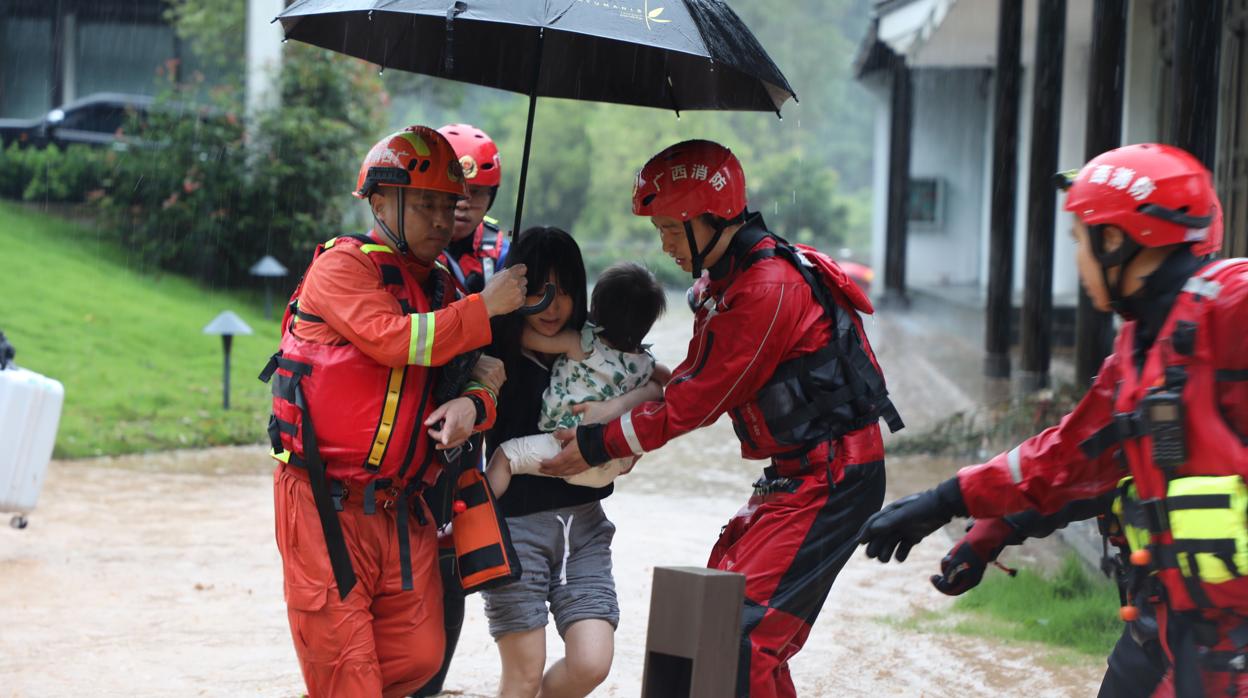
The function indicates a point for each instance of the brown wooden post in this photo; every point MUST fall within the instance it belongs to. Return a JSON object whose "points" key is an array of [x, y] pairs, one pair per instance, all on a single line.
{"points": [[1036, 328], [694, 635], [898, 184], [1000, 302], [1197, 52], [1107, 63]]}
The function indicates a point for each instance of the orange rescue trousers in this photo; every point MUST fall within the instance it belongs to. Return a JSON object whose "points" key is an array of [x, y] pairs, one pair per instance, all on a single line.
{"points": [[380, 640]]}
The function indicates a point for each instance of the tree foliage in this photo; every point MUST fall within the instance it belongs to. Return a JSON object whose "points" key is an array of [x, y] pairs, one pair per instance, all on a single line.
{"points": [[217, 188]]}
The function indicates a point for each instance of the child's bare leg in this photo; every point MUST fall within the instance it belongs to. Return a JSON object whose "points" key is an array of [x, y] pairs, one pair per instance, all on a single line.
{"points": [[589, 646], [523, 655], [498, 473]]}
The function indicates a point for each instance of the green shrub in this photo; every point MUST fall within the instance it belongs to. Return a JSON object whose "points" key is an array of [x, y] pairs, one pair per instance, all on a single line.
{"points": [[51, 174], [213, 194]]}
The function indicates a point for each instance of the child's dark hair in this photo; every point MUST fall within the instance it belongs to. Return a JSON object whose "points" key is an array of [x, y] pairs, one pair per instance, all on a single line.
{"points": [[627, 300]]}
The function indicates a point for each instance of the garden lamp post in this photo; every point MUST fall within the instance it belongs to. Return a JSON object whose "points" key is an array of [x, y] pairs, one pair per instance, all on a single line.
{"points": [[268, 268], [227, 324]]}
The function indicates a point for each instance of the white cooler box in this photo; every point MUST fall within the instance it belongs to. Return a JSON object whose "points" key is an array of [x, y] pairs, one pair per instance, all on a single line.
{"points": [[30, 410]]}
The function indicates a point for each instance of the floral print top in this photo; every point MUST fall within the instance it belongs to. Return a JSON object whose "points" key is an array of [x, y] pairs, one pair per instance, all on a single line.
{"points": [[604, 374]]}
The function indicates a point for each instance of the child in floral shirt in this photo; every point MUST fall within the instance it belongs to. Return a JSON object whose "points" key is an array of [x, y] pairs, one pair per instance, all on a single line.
{"points": [[603, 361]]}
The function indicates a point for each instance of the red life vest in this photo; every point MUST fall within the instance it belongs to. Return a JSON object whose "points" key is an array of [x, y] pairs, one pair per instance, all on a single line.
{"points": [[816, 398], [1187, 492], [352, 423], [474, 268], [367, 416]]}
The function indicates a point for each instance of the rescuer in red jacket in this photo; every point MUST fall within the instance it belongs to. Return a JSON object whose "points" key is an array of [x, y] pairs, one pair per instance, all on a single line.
{"points": [[478, 244], [779, 345], [355, 429], [1165, 422]]}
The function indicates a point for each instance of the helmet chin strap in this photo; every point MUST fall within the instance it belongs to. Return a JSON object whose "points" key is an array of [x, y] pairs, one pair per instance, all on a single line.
{"points": [[1120, 258], [698, 257], [399, 241]]}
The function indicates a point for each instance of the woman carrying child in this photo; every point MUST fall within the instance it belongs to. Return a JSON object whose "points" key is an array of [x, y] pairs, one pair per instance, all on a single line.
{"points": [[561, 535]]}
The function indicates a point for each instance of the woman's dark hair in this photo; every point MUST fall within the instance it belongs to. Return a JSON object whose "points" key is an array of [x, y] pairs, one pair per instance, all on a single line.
{"points": [[627, 300], [543, 249]]}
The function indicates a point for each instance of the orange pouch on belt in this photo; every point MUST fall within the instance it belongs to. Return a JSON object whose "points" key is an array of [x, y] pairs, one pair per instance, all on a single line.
{"points": [[486, 558]]}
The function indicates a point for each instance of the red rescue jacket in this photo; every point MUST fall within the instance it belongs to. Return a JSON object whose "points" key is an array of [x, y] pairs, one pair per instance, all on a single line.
{"points": [[471, 270], [1198, 355], [751, 318]]}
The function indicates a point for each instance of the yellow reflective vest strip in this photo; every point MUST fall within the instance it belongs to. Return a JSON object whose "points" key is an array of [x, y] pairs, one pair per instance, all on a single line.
{"points": [[420, 348], [1206, 518], [388, 412], [375, 248]]}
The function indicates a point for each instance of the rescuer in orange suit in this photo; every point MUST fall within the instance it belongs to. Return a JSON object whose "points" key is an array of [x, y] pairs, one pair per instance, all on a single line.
{"points": [[361, 340]]}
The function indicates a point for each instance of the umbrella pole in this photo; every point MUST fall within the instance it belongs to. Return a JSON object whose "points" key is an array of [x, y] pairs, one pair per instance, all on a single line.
{"points": [[528, 135]]}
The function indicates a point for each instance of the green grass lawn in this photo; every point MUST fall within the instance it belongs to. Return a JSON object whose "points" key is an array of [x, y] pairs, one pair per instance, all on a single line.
{"points": [[1074, 611], [1073, 608], [138, 373]]}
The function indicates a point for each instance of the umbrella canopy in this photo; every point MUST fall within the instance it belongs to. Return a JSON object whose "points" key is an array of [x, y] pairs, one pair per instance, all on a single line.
{"points": [[670, 54]]}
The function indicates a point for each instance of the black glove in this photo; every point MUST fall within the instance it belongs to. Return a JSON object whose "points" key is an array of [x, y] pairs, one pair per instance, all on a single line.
{"points": [[905, 522]]}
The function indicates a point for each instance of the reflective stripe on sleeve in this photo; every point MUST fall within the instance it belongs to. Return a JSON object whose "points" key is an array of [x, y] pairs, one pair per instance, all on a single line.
{"points": [[1016, 467], [420, 346], [630, 434]]}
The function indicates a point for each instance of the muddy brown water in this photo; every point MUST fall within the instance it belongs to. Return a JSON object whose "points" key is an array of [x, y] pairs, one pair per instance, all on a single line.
{"points": [[157, 575]]}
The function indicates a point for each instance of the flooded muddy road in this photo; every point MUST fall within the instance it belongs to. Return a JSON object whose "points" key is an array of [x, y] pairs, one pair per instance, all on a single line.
{"points": [[158, 576]]}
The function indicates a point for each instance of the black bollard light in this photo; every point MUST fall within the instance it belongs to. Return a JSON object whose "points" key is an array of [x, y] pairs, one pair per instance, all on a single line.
{"points": [[227, 324], [268, 268]]}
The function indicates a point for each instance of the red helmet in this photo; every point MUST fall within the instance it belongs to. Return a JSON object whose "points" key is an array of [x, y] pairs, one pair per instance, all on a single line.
{"points": [[688, 179], [1157, 194], [477, 154], [415, 158]]}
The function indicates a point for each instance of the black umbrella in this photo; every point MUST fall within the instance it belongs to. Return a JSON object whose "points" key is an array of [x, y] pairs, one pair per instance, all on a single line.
{"points": [[670, 54]]}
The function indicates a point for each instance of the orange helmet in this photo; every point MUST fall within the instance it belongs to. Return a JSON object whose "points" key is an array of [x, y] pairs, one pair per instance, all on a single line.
{"points": [[417, 157], [477, 154]]}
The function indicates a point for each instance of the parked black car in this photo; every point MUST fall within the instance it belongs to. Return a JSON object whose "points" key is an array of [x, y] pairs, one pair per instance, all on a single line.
{"points": [[93, 120]]}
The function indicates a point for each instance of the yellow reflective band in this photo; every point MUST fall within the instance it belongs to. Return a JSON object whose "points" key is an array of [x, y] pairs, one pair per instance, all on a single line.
{"points": [[388, 412], [491, 220], [375, 248], [330, 243], [420, 346], [1203, 524], [283, 456]]}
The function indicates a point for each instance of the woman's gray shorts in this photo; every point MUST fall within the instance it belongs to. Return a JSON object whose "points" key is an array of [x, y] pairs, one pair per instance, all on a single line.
{"points": [[565, 559]]}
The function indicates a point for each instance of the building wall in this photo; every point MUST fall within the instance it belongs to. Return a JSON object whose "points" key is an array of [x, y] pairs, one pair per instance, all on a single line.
{"points": [[879, 90], [52, 53], [949, 137], [111, 46]]}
